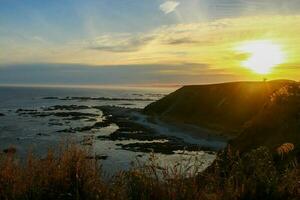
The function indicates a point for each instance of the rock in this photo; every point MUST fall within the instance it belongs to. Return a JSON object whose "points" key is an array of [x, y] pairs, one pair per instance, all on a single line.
{"points": [[161, 147], [42, 134], [97, 125], [97, 157], [55, 124], [25, 110], [66, 107], [69, 115], [1, 115], [105, 99], [51, 98], [10, 150], [87, 140]]}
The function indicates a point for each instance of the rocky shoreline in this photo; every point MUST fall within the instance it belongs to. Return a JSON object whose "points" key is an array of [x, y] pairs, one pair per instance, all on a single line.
{"points": [[131, 129], [135, 130], [97, 99]]}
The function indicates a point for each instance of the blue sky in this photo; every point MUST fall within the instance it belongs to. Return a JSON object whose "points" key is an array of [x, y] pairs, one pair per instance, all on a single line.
{"points": [[130, 33], [62, 20], [65, 20]]}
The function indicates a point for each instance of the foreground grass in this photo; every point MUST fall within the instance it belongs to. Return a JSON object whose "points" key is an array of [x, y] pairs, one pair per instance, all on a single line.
{"points": [[70, 175]]}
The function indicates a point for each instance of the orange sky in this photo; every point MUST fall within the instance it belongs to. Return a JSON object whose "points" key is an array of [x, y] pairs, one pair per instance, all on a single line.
{"points": [[195, 46]]}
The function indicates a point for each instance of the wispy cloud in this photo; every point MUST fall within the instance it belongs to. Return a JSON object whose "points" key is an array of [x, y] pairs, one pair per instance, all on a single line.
{"points": [[169, 6], [119, 42], [179, 41], [38, 38], [211, 43]]}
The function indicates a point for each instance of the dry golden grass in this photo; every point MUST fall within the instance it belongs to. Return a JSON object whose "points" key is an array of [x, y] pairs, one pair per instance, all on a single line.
{"points": [[63, 176], [285, 148], [67, 174]]}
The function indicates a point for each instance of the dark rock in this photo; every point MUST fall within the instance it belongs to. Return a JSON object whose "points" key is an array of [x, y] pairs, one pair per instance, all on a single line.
{"points": [[50, 98], [91, 120], [42, 134], [97, 125], [55, 124], [66, 107], [97, 157], [25, 110], [161, 147], [126, 104], [71, 115], [87, 140], [128, 129], [105, 99], [120, 135], [10, 150]]}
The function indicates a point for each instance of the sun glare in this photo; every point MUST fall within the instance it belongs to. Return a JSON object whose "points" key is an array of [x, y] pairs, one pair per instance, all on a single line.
{"points": [[263, 55]]}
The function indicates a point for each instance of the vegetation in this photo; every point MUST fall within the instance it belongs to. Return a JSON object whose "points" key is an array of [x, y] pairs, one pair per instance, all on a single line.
{"points": [[261, 162], [70, 175], [226, 106], [253, 114], [276, 123]]}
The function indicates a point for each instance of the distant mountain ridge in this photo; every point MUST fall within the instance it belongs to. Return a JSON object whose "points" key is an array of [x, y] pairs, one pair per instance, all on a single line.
{"points": [[245, 111]]}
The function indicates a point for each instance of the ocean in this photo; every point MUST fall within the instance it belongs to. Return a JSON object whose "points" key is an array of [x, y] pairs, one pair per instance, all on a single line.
{"points": [[25, 126]]}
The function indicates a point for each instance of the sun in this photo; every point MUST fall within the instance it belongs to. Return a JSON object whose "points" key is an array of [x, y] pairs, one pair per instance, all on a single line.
{"points": [[263, 55]]}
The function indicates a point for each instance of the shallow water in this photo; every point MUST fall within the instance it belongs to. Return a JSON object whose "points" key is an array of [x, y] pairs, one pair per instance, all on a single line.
{"points": [[38, 134]]}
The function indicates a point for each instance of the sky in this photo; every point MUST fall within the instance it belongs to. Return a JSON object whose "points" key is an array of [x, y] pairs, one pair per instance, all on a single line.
{"points": [[147, 42]]}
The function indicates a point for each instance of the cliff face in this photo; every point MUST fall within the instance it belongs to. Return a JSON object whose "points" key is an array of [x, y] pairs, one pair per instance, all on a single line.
{"points": [[245, 110]]}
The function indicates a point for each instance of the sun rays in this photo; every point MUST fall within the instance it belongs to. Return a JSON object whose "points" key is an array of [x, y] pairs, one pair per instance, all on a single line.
{"points": [[263, 55]]}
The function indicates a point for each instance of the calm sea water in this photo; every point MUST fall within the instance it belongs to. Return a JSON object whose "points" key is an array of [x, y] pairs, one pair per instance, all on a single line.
{"points": [[38, 134]]}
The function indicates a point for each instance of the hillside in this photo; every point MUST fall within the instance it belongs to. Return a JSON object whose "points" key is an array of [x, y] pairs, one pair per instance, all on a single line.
{"points": [[225, 106], [278, 122], [253, 113]]}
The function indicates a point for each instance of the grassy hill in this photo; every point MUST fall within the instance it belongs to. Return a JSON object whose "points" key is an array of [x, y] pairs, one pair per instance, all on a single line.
{"points": [[225, 106], [254, 113], [278, 122], [265, 114]]}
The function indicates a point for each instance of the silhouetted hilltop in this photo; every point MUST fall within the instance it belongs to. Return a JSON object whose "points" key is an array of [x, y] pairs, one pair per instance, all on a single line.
{"points": [[277, 123], [254, 113], [225, 106]]}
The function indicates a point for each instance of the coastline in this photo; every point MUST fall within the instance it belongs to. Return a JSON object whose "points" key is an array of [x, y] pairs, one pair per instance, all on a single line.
{"points": [[190, 134]]}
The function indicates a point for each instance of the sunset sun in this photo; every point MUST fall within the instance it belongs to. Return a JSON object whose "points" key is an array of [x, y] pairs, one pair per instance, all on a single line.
{"points": [[152, 100], [263, 55]]}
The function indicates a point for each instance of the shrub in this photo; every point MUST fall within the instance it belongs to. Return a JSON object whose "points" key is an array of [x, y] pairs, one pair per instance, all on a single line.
{"points": [[68, 174]]}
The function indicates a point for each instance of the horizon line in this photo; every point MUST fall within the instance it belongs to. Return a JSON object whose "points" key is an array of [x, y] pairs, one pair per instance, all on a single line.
{"points": [[126, 86]]}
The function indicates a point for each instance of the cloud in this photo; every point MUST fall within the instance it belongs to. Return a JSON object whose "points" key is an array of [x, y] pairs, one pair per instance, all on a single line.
{"points": [[38, 39], [211, 43], [119, 43], [179, 41], [79, 74], [169, 6]]}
